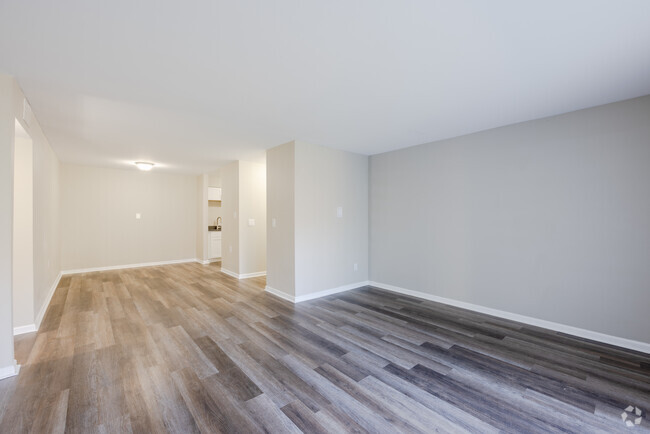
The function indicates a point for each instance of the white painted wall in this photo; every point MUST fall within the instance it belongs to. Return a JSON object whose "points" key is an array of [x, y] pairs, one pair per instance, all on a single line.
{"points": [[230, 227], [311, 249], [243, 247], [47, 230], [46, 247], [327, 247], [98, 224], [547, 218], [7, 119], [252, 206], [23, 241], [280, 206], [202, 217], [214, 207]]}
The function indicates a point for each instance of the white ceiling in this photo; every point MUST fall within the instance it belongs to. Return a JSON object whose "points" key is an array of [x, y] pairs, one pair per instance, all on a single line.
{"points": [[193, 84]]}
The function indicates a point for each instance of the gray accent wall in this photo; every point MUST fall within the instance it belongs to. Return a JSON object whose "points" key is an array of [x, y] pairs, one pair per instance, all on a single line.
{"points": [[548, 218]]}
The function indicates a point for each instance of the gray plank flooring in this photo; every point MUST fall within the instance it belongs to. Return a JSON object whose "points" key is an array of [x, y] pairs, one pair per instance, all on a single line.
{"points": [[184, 348]]}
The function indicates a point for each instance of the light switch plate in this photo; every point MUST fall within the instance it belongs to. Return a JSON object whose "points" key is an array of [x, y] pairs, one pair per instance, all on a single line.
{"points": [[273, 222], [137, 216], [339, 212], [251, 222]]}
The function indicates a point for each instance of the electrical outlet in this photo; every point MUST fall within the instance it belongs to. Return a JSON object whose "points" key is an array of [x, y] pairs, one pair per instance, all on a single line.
{"points": [[230, 248], [356, 267], [251, 222], [339, 212], [273, 222]]}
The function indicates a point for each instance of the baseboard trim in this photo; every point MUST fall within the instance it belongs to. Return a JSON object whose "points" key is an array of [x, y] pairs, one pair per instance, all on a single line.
{"points": [[315, 295], [9, 371], [122, 267], [242, 276], [326, 292], [249, 275], [280, 294], [208, 261], [570, 330], [229, 273], [46, 303], [21, 330]]}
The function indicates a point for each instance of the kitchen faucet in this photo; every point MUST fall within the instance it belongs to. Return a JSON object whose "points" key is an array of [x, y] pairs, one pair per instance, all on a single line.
{"points": [[218, 223]]}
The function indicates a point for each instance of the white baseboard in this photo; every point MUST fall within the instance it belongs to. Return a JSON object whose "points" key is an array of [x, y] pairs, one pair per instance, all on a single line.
{"points": [[229, 273], [330, 291], [242, 276], [280, 294], [24, 329], [208, 261], [9, 371], [312, 296], [122, 267], [46, 302], [575, 331], [248, 275]]}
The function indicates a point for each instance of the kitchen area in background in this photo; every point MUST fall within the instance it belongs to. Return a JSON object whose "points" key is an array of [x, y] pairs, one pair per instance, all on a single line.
{"points": [[215, 222], [231, 219], [210, 218]]}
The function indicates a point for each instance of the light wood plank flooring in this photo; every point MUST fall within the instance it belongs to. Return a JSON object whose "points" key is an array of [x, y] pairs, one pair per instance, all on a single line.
{"points": [[185, 348]]}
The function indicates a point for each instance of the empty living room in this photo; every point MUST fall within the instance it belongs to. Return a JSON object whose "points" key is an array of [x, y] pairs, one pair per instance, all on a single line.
{"points": [[324, 217]]}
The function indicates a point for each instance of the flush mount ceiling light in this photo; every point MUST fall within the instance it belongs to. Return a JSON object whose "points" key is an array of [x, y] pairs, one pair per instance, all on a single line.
{"points": [[144, 166]]}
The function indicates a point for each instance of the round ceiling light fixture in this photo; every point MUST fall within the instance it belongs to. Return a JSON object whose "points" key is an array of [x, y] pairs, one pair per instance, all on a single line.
{"points": [[142, 165]]}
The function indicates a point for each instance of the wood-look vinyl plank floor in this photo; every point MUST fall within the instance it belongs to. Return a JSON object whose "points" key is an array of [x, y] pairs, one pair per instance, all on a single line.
{"points": [[185, 348]]}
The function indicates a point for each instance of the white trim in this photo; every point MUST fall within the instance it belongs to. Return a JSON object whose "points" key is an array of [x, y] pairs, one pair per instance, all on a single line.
{"points": [[208, 261], [331, 291], [121, 267], [249, 275], [575, 331], [242, 276], [312, 296], [21, 330], [280, 294], [229, 273], [9, 371], [46, 302]]}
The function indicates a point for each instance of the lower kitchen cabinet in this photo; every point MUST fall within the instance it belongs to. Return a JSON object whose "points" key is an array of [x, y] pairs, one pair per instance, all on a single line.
{"points": [[214, 244]]}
